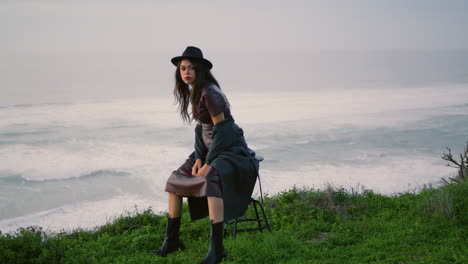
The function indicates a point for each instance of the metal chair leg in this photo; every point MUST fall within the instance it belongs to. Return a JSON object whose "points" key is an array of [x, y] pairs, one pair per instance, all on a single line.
{"points": [[235, 228], [259, 219], [265, 217], [256, 215]]}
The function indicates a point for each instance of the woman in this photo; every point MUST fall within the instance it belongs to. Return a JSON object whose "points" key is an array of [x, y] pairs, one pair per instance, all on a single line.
{"points": [[219, 176]]}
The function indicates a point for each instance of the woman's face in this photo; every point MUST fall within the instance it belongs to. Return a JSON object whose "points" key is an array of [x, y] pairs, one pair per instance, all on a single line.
{"points": [[187, 72]]}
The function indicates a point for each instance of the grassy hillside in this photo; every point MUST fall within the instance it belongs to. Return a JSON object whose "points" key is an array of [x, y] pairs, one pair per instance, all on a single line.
{"points": [[309, 226]]}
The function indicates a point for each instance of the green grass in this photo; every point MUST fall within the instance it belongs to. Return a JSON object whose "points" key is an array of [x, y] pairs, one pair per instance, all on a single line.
{"points": [[309, 226]]}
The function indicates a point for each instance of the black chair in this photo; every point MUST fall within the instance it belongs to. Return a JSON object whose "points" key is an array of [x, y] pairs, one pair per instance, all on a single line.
{"points": [[262, 220]]}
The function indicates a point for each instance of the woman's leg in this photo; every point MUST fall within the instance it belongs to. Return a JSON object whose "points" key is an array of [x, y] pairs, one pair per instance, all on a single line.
{"points": [[172, 242], [216, 209], [216, 252], [175, 205]]}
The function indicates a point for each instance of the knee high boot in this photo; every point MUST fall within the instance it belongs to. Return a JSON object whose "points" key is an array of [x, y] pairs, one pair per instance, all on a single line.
{"points": [[216, 252], [172, 242]]}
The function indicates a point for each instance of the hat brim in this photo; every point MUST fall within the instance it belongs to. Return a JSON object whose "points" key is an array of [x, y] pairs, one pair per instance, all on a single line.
{"points": [[177, 59]]}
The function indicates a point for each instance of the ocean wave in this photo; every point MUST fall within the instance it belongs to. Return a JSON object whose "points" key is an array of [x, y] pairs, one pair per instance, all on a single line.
{"points": [[13, 179], [17, 134], [105, 173], [34, 105], [8, 178]]}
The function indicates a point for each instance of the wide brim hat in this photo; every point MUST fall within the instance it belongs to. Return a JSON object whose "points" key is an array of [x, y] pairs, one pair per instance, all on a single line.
{"points": [[193, 53]]}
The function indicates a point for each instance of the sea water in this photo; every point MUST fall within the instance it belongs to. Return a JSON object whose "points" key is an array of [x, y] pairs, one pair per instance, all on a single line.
{"points": [[80, 164]]}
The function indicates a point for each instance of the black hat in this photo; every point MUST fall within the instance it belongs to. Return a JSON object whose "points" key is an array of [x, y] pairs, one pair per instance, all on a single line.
{"points": [[192, 53]]}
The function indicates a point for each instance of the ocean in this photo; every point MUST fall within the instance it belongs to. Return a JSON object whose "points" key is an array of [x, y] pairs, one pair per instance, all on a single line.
{"points": [[80, 164]]}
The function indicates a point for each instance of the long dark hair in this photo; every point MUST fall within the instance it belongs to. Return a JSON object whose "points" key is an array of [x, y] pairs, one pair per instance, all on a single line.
{"points": [[182, 94]]}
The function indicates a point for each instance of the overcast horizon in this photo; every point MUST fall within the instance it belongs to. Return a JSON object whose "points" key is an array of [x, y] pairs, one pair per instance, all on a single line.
{"points": [[56, 51]]}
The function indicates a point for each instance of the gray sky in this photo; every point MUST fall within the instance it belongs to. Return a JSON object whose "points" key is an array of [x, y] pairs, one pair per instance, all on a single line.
{"points": [[66, 50]]}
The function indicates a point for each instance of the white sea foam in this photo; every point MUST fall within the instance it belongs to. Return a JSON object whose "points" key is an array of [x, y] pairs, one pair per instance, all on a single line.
{"points": [[81, 157], [155, 111], [389, 176], [366, 107], [333, 106], [85, 214]]}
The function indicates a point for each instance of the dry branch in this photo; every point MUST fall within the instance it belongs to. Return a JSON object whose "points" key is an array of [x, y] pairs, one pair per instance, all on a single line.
{"points": [[461, 165]]}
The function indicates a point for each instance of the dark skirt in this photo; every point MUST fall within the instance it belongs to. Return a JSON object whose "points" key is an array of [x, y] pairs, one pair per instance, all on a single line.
{"points": [[182, 183], [195, 188]]}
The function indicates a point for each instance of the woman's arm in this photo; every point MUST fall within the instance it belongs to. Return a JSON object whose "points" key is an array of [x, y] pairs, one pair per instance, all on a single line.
{"points": [[200, 149], [201, 171], [218, 118]]}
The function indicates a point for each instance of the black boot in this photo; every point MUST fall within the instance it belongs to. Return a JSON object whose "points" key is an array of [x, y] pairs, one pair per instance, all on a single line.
{"points": [[172, 242], [217, 252]]}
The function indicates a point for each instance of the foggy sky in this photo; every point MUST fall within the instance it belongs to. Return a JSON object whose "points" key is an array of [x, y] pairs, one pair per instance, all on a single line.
{"points": [[67, 50]]}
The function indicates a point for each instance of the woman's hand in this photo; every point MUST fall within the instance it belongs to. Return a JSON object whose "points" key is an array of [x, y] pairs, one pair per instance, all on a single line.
{"points": [[196, 167], [203, 170]]}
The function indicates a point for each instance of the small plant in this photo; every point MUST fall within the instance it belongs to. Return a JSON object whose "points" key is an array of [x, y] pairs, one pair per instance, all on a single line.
{"points": [[461, 165]]}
